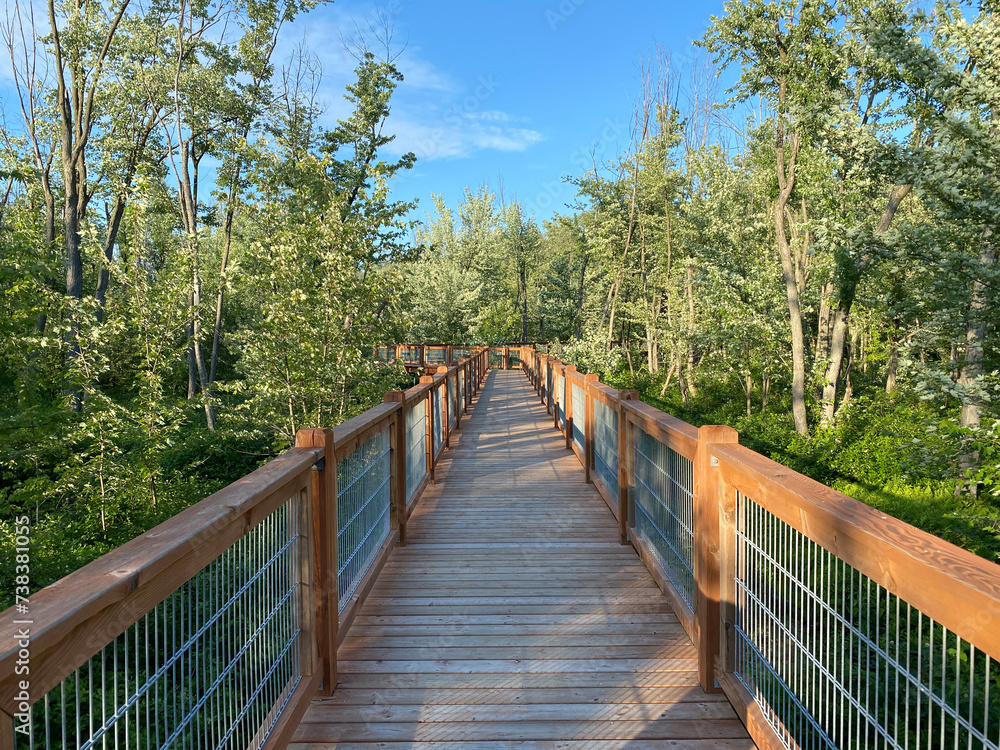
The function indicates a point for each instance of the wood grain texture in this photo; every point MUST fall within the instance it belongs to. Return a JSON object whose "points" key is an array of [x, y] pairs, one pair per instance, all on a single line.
{"points": [[513, 615]]}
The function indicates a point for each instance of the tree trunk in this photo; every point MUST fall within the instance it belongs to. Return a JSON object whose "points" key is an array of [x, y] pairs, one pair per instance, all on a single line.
{"points": [[794, 312], [838, 337], [689, 291], [975, 335], [843, 309], [892, 369]]}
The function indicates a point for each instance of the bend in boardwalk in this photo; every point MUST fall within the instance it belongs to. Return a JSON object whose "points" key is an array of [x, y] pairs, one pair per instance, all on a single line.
{"points": [[513, 616]]}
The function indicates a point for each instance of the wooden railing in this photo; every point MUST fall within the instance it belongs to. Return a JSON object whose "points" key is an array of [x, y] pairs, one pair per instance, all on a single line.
{"points": [[432, 355], [825, 622], [220, 624]]}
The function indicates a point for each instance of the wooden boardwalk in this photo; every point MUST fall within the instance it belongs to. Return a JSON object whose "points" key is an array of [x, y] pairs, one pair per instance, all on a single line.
{"points": [[513, 618]]}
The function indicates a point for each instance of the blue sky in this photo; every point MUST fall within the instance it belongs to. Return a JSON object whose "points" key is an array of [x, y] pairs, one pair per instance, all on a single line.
{"points": [[517, 93]]}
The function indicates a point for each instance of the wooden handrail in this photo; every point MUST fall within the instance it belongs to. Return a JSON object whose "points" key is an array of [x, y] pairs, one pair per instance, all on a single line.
{"points": [[956, 588], [75, 617], [677, 434]]}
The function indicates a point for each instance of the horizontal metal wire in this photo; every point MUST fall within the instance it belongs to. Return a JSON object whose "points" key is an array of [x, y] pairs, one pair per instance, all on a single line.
{"points": [[606, 447], [212, 666], [664, 509], [363, 503], [416, 446], [579, 417], [836, 661]]}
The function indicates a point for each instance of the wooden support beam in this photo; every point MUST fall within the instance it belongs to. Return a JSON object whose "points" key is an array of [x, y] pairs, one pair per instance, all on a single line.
{"points": [[324, 515], [707, 554], [429, 426], [588, 434], [626, 467], [397, 459], [569, 372], [445, 406]]}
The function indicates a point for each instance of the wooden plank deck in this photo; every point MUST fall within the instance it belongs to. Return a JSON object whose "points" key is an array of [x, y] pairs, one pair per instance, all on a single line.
{"points": [[513, 617]]}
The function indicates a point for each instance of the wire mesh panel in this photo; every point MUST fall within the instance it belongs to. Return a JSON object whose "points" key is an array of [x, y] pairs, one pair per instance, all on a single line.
{"points": [[548, 386], [461, 388], [411, 354], [435, 355], [514, 358], [836, 661], [416, 446], [212, 666], [438, 415], [363, 520], [664, 509], [579, 416], [496, 358], [606, 447]]}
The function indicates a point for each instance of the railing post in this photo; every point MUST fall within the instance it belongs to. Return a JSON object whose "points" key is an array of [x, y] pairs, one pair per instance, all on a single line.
{"points": [[588, 430], [707, 557], [569, 405], [324, 498], [555, 396], [626, 466], [445, 406], [397, 460], [423, 355], [448, 355], [506, 358], [429, 426]]}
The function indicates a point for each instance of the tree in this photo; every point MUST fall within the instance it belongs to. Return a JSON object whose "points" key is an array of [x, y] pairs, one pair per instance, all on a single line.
{"points": [[786, 52]]}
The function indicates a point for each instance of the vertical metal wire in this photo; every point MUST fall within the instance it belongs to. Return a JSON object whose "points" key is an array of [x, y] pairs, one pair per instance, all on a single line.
{"points": [[363, 519], [606, 447], [664, 508], [837, 661], [200, 670]]}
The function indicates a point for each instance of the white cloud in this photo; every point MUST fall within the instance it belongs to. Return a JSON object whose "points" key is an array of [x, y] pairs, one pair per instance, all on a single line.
{"points": [[433, 115], [457, 136]]}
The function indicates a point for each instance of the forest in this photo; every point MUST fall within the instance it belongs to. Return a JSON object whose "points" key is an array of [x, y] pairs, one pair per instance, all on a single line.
{"points": [[192, 267]]}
